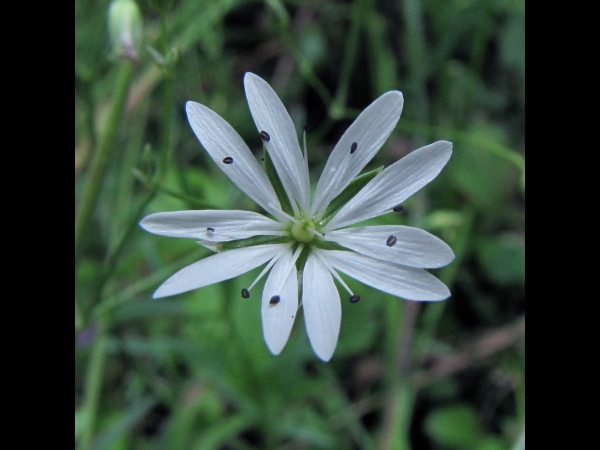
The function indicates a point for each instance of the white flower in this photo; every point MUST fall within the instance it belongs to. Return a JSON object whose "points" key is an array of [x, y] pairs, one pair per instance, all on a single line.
{"points": [[390, 258]]}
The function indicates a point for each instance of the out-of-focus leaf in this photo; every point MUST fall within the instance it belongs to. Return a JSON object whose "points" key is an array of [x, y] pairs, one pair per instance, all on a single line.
{"points": [[512, 43], [222, 432], [486, 178], [147, 308], [123, 423], [503, 258], [491, 443], [457, 427], [80, 418], [306, 426]]}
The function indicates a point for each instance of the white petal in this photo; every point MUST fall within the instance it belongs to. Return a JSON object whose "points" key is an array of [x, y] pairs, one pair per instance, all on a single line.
{"points": [[414, 247], [278, 319], [270, 115], [215, 268], [211, 225], [394, 184], [322, 308], [220, 141], [406, 282], [370, 130]]}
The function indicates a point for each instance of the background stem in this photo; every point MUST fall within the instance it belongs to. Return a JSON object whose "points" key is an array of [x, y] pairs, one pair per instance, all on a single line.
{"points": [[101, 159]]}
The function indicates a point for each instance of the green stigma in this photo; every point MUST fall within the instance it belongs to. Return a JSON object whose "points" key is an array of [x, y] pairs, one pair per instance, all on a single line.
{"points": [[300, 232]]}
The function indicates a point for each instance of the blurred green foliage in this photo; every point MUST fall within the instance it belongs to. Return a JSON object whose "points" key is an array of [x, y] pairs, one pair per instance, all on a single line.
{"points": [[192, 371]]}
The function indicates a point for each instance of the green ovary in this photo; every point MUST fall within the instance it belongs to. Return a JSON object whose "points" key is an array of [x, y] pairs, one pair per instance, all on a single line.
{"points": [[300, 232]]}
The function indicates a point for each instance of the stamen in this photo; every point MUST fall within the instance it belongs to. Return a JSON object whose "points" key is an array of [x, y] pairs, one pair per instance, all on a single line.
{"points": [[354, 298], [268, 266], [391, 241], [333, 272], [306, 128], [245, 293], [264, 136], [291, 266], [353, 147], [398, 208], [210, 229], [228, 160], [275, 299]]}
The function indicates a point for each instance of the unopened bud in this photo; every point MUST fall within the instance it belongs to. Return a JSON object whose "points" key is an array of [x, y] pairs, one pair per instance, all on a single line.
{"points": [[125, 28]]}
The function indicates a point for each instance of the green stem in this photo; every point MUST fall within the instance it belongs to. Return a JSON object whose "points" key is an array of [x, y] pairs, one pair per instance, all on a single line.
{"points": [[399, 408], [434, 312], [115, 252], [102, 158], [163, 33], [193, 201], [359, 10], [306, 69], [166, 130], [93, 384], [97, 171], [414, 40]]}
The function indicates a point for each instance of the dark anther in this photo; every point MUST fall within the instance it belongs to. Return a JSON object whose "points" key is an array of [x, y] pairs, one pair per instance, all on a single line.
{"points": [[398, 208], [265, 136], [228, 160], [210, 229], [275, 299], [245, 293], [391, 241], [353, 147], [354, 298], [306, 128]]}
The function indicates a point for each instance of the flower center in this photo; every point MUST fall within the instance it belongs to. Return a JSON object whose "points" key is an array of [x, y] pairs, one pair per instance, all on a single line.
{"points": [[300, 232]]}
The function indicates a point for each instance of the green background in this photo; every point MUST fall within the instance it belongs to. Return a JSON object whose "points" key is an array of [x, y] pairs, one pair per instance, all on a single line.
{"points": [[192, 371]]}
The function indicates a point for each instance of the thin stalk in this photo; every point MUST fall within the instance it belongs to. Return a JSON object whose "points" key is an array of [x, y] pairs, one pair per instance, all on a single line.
{"points": [[434, 312], [304, 65], [97, 171], [93, 384], [102, 158], [116, 250], [399, 408], [193, 201], [478, 48], [339, 104], [415, 46]]}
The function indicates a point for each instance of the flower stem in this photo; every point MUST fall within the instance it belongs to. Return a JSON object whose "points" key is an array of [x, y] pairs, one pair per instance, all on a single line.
{"points": [[97, 171], [415, 48], [102, 158], [93, 384], [336, 109], [399, 408], [116, 249], [304, 65]]}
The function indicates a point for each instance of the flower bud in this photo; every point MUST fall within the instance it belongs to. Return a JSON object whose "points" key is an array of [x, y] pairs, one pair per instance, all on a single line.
{"points": [[125, 28]]}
